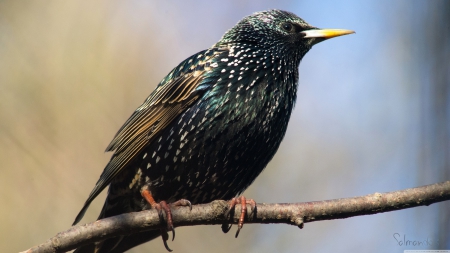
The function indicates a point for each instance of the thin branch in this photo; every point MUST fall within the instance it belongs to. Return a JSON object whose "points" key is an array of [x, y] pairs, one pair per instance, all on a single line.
{"points": [[214, 213]]}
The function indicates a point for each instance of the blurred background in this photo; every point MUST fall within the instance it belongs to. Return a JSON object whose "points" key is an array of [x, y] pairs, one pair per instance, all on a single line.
{"points": [[373, 115]]}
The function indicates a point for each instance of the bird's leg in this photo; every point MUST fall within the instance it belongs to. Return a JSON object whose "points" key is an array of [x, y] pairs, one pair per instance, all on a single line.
{"points": [[163, 206], [243, 201], [168, 211], [159, 207]]}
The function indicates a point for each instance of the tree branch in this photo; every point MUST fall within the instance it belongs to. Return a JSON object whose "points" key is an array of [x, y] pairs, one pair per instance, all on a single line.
{"points": [[214, 213]]}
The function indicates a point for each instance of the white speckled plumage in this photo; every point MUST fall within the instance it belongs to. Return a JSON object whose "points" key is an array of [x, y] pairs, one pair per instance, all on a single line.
{"points": [[212, 124]]}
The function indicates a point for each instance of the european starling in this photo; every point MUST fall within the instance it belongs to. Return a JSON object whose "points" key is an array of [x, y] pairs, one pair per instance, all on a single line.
{"points": [[212, 124]]}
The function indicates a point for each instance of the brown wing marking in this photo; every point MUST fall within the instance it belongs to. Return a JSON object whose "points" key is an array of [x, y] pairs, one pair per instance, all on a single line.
{"points": [[154, 115]]}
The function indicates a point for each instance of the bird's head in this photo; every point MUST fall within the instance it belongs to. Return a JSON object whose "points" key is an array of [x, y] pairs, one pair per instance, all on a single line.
{"points": [[278, 30]]}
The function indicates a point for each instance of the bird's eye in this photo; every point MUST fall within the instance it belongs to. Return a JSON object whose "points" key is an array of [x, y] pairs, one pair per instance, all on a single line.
{"points": [[288, 27]]}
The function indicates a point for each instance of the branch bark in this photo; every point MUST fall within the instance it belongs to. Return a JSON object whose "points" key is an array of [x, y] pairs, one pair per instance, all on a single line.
{"points": [[214, 213]]}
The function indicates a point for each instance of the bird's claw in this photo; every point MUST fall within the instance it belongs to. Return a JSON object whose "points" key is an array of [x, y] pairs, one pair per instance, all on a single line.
{"points": [[163, 206], [237, 232], [243, 201], [165, 237], [166, 207], [226, 227], [182, 202]]}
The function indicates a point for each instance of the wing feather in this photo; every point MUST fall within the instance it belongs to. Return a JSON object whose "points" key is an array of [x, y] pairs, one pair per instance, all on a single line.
{"points": [[170, 99]]}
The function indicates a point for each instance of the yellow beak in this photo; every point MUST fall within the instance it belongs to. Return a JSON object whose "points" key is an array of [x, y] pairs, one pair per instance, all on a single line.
{"points": [[326, 33]]}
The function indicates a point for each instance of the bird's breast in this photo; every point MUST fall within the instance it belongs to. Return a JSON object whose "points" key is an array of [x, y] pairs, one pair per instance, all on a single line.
{"points": [[228, 136], [224, 139]]}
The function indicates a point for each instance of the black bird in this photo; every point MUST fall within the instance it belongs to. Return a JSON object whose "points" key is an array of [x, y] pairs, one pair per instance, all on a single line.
{"points": [[211, 126]]}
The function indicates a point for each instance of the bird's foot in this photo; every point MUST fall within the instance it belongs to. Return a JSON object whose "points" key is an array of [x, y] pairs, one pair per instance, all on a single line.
{"points": [[164, 207], [243, 201]]}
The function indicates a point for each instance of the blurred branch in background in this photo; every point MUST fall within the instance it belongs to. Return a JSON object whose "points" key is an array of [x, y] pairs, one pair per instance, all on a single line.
{"points": [[215, 213]]}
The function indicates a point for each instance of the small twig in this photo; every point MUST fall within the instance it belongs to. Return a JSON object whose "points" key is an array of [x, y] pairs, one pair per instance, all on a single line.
{"points": [[214, 213]]}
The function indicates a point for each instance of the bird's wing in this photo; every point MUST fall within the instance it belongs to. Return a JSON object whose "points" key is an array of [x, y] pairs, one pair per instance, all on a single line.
{"points": [[173, 95]]}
